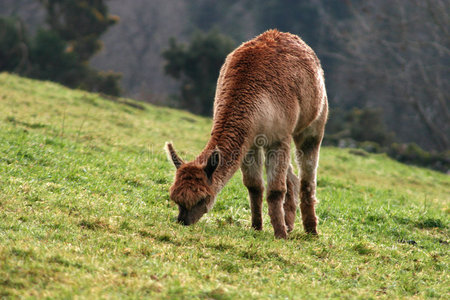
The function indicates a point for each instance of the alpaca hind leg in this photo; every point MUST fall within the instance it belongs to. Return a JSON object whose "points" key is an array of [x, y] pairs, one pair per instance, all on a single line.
{"points": [[291, 198], [308, 147]]}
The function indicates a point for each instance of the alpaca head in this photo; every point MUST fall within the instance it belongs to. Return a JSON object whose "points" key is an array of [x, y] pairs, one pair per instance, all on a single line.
{"points": [[192, 189]]}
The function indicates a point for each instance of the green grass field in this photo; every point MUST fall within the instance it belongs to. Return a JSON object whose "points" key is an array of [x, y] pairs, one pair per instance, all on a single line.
{"points": [[85, 213]]}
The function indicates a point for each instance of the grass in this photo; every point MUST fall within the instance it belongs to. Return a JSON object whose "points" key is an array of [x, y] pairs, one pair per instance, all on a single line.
{"points": [[85, 213]]}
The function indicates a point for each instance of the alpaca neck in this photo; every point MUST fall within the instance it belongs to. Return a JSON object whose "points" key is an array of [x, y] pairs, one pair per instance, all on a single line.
{"points": [[233, 143]]}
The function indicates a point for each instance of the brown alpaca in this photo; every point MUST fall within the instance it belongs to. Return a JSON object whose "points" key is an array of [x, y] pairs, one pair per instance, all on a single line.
{"points": [[270, 91]]}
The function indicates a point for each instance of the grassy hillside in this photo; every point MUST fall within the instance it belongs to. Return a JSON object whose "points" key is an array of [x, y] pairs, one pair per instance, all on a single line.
{"points": [[84, 212]]}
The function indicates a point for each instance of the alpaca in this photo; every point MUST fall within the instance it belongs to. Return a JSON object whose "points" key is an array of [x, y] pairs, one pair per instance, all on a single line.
{"points": [[270, 91]]}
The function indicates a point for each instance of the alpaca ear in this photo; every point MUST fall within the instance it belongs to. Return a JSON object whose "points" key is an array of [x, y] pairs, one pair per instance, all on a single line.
{"points": [[177, 161], [212, 164]]}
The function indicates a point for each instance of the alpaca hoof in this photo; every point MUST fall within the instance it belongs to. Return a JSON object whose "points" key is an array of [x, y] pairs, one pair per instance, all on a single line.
{"points": [[290, 228], [311, 230], [281, 235], [257, 226]]}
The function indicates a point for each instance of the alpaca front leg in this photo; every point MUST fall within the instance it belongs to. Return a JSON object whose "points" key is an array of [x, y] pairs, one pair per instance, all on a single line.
{"points": [[253, 179], [256, 197], [277, 164], [275, 200]]}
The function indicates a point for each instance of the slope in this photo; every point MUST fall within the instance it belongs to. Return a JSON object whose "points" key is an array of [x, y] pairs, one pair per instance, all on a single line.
{"points": [[84, 212]]}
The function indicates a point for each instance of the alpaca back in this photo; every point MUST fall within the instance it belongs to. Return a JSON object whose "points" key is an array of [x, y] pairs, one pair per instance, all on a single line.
{"points": [[271, 83]]}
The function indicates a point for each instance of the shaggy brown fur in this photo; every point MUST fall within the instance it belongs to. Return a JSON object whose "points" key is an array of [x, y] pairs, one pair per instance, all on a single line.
{"points": [[270, 91]]}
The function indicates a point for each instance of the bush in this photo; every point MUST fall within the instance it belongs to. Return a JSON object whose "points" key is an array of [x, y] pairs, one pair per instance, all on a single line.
{"points": [[102, 82], [360, 125], [367, 125], [364, 129], [413, 154]]}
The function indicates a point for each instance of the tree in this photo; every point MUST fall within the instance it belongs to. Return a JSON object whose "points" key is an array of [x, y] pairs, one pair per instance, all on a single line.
{"points": [[197, 66], [299, 17], [80, 23], [13, 45], [62, 52], [395, 55], [134, 46], [235, 18]]}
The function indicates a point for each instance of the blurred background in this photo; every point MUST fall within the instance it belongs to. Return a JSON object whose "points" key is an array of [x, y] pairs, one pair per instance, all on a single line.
{"points": [[386, 62]]}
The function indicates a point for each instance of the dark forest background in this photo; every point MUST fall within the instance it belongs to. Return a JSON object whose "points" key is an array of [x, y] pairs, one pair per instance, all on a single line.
{"points": [[386, 62]]}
